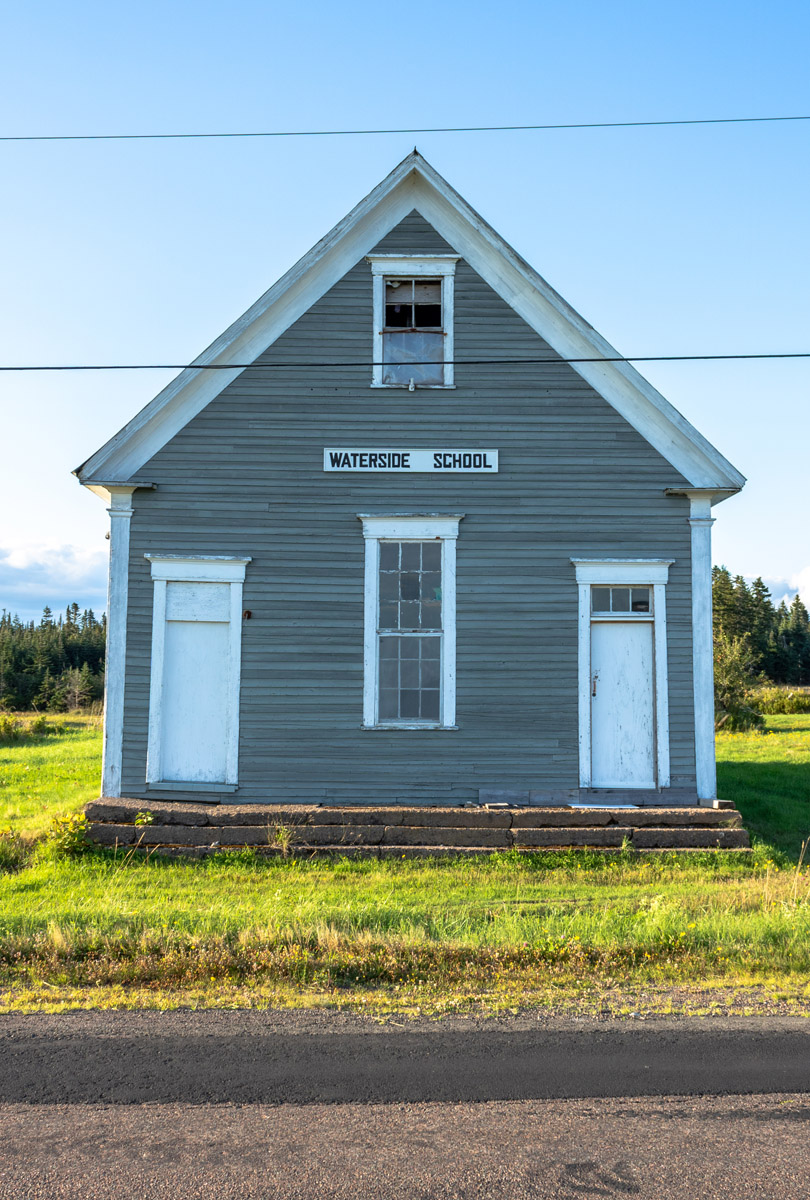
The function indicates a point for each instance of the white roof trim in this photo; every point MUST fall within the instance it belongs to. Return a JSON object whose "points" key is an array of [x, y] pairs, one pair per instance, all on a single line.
{"points": [[414, 184]]}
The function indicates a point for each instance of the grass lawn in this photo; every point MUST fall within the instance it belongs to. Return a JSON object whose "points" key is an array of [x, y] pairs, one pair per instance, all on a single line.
{"points": [[573, 932], [43, 776]]}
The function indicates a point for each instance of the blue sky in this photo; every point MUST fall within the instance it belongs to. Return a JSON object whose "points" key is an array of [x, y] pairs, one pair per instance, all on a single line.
{"points": [[670, 241]]}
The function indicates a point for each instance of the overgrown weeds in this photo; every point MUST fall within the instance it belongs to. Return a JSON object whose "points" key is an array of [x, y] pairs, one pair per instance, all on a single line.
{"points": [[14, 729], [421, 932], [15, 850]]}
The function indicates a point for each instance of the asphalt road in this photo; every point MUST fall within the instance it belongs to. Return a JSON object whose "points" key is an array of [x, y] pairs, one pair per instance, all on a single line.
{"points": [[731, 1148], [248, 1106], [303, 1058]]}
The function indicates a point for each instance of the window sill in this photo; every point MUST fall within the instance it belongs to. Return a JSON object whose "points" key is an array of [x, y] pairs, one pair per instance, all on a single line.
{"points": [[417, 387], [424, 725], [174, 785]]}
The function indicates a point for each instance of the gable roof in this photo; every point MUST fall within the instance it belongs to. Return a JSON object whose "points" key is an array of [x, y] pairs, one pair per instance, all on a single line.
{"points": [[414, 184]]}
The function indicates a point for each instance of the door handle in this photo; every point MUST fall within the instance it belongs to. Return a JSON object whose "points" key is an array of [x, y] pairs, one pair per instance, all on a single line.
{"points": [[593, 684]]}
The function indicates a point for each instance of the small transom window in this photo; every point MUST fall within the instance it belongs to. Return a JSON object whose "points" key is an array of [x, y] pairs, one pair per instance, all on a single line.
{"points": [[624, 600]]}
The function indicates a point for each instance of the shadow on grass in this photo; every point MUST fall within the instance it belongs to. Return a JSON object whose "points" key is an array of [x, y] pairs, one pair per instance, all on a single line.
{"points": [[773, 798]]}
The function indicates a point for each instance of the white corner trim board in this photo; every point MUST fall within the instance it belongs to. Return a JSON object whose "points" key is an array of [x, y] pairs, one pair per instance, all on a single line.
{"points": [[623, 572], [700, 522], [414, 527], [120, 511], [414, 184], [220, 606]]}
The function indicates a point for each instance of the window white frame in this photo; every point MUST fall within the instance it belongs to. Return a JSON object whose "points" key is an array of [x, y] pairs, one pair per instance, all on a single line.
{"points": [[409, 527], [205, 568], [428, 266], [624, 572]]}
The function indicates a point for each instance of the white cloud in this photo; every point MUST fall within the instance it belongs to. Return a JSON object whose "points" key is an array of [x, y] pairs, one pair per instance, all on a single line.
{"points": [[35, 575], [786, 588], [800, 582]]}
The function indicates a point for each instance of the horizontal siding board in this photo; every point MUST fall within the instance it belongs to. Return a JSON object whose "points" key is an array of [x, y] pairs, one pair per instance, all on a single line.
{"points": [[245, 478]]}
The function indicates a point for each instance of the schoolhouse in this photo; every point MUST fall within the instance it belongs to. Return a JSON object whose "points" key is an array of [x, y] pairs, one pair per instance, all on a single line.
{"points": [[410, 532]]}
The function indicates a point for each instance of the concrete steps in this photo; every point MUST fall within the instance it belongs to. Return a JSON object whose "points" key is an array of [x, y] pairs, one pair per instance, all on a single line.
{"points": [[399, 832]]}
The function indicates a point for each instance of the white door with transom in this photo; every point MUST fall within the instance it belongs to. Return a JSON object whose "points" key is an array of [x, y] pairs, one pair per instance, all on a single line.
{"points": [[622, 705]]}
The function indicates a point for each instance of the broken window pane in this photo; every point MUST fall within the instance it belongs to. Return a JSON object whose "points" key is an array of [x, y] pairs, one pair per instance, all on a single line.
{"points": [[412, 308], [640, 600], [413, 355]]}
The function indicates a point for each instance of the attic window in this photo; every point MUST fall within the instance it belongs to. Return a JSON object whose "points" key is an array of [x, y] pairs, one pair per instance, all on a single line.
{"points": [[413, 338], [413, 321]]}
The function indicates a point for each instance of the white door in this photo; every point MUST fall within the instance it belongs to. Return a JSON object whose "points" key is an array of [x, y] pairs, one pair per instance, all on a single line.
{"points": [[195, 694], [622, 715]]}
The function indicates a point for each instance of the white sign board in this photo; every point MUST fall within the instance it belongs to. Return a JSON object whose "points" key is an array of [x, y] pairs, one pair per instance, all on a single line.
{"points": [[445, 462]]}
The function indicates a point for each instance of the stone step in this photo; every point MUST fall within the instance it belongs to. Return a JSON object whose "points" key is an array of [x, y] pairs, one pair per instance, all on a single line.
{"points": [[415, 852], [394, 838], [294, 817]]}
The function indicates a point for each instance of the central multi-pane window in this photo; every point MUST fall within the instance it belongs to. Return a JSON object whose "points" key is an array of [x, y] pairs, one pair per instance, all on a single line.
{"points": [[410, 631]]}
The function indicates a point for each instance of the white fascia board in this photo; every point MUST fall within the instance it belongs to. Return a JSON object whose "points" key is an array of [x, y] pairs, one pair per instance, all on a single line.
{"points": [[415, 184]]}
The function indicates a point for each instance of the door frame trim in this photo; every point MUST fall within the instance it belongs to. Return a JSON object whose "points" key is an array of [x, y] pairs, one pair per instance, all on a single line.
{"points": [[635, 572], [203, 568]]}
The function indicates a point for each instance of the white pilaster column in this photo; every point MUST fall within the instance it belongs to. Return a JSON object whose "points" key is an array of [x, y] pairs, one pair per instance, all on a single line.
{"points": [[701, 521], [120, 511]]}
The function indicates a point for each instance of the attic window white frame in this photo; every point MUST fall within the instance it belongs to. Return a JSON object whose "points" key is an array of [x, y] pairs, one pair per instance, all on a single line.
{"points": [[409, 527], [426, 266], [624, 572], [203, 568]]}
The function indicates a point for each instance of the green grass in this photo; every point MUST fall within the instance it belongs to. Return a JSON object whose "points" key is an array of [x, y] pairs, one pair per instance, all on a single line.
{"points": [[768, 778], [41, 777], [575, 931]]}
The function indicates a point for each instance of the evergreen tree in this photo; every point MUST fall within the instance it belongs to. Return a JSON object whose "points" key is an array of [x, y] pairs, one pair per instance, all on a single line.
{"points": [[35, 659], [762, 628], [723, 602]]}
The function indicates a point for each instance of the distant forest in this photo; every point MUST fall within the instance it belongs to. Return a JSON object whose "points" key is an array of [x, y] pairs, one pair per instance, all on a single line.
{"points": [[58, 664], [55, 665], [778, 638]]}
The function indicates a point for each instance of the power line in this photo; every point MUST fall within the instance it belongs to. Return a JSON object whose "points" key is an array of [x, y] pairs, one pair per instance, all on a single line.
{"points": [[295, 133], [463, 362]]}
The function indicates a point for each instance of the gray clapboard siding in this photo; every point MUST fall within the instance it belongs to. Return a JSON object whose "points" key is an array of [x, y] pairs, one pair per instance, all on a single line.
{"points": [[245, 477]]}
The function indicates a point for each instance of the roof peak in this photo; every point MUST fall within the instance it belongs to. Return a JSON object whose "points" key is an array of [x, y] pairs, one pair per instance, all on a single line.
{"points": [[415, 184]]}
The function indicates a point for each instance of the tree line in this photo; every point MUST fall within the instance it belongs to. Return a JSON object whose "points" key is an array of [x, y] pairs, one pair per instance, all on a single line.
{"points": [[777, 638], [56, 664]]}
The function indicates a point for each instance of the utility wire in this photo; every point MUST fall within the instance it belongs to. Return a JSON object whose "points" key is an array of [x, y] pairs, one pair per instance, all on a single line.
{"points": [[295, 133], [463, 362]]}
